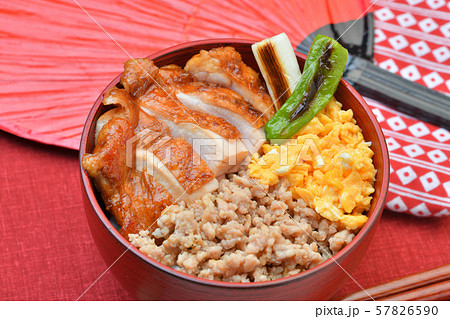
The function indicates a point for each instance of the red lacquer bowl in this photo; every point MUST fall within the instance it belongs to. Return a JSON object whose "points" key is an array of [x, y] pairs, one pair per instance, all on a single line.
{"points": [[146, 278]]}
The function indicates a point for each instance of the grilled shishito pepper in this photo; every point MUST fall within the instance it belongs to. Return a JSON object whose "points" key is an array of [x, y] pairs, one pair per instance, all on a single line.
{"points": [[322, 72]]}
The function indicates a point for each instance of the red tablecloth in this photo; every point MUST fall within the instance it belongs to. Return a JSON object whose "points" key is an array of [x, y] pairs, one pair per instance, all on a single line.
{"points": [[47, 252]]}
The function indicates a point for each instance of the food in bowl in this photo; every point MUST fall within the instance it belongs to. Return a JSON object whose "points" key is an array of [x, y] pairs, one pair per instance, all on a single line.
{"points": [[204, 217]]}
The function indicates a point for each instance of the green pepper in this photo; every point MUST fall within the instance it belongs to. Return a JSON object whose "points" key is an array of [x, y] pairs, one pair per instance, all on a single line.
{"points": [[322, 72]]}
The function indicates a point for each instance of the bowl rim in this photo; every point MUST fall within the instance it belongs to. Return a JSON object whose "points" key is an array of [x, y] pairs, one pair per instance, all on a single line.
{"points": [[371, 222]]}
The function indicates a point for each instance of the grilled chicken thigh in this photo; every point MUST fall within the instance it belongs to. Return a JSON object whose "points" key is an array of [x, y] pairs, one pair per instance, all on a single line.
{"points": [[154, 136], [139, 168], [224, 66], [252, 137], [134, 198], [213, 138], [174, 79], [217, 101], [126, 107], [174, 164], [168, 107], [150, 146]]}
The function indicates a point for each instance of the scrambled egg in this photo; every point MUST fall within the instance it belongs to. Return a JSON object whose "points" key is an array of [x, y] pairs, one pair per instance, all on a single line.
{"points": [[328, 165]]}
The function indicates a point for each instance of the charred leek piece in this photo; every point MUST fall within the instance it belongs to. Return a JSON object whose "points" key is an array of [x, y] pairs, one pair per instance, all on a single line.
{"points": [[279, 67], [323, 70]]}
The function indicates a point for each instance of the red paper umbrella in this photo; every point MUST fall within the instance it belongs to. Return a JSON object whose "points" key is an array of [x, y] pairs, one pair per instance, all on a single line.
{"points": [[57, 56]]}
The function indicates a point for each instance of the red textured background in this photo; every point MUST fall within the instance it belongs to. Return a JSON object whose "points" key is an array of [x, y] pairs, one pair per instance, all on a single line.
{"points": [[51, 73]]}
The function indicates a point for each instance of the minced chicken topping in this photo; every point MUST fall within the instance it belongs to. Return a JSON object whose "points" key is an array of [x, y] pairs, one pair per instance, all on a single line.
{"points": [[245, 232]]}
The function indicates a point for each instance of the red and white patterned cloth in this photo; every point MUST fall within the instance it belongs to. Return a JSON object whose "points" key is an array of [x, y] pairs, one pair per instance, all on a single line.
{"points": [[412, 39]]}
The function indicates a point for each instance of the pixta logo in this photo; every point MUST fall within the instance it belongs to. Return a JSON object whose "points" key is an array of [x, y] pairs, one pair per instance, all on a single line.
{"points": [[149, 150]]}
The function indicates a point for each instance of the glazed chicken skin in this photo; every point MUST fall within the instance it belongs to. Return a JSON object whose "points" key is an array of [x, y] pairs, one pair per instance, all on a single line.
{"points": [[134, 198], [168, 107], [174, 79], [145, 158], [201, 113], [142, 73], [138, 75], [214, 139], [224, 66], [217, 101], [163, 169], [152, 137]]}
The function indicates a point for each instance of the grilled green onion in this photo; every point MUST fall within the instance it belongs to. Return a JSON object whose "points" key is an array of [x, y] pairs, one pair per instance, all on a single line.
{"points": [[322, 72]]}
